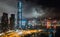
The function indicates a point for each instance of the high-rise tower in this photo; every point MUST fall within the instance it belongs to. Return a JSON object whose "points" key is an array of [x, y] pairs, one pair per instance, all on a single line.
{"points": [[4, 22], [19, 14], [12, 21]]}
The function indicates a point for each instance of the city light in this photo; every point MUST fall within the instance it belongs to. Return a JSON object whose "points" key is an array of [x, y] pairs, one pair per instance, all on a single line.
{"points": [[1, 34], [31, 19], [20, 33]]}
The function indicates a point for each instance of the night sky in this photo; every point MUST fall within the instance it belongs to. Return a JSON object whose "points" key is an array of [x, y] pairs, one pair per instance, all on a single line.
{"points": [[49, 7], [32, 8]]}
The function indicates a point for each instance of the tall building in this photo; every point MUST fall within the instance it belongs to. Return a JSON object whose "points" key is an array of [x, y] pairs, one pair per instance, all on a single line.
{"points": [[12, 21], [4, 22], [19, 14]]}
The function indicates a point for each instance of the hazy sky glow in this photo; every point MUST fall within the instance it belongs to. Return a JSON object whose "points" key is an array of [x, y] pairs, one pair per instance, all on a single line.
{"points": [[44, 8]]}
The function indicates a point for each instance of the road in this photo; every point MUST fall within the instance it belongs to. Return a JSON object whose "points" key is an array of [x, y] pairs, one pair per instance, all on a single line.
{"points": [[19, 33]]}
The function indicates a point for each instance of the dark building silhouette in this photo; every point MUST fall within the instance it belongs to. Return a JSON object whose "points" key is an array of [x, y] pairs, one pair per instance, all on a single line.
{"points": [[0, 27], [57, 34], [4, 22], [12, 21]]}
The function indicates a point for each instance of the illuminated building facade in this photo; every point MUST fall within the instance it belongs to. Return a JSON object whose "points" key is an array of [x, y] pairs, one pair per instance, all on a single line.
{"points": [[20, 20], [19, 14]]}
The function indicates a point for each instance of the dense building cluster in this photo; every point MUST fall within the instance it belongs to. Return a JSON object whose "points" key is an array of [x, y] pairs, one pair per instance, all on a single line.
{"points": [[6, 23]]}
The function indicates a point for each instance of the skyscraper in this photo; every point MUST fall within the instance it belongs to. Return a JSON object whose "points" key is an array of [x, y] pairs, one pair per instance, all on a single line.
{"points": [[19, 14], [12, 21], [4, 22]]}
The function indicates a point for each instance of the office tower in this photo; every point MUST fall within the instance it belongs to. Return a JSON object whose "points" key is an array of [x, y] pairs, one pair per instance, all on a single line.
{"points": [[12, 21], [19, 13], [4, 22]]}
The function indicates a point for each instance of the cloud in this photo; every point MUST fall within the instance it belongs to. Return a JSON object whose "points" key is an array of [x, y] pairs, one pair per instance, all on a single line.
{"points": [[10, 7]]}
